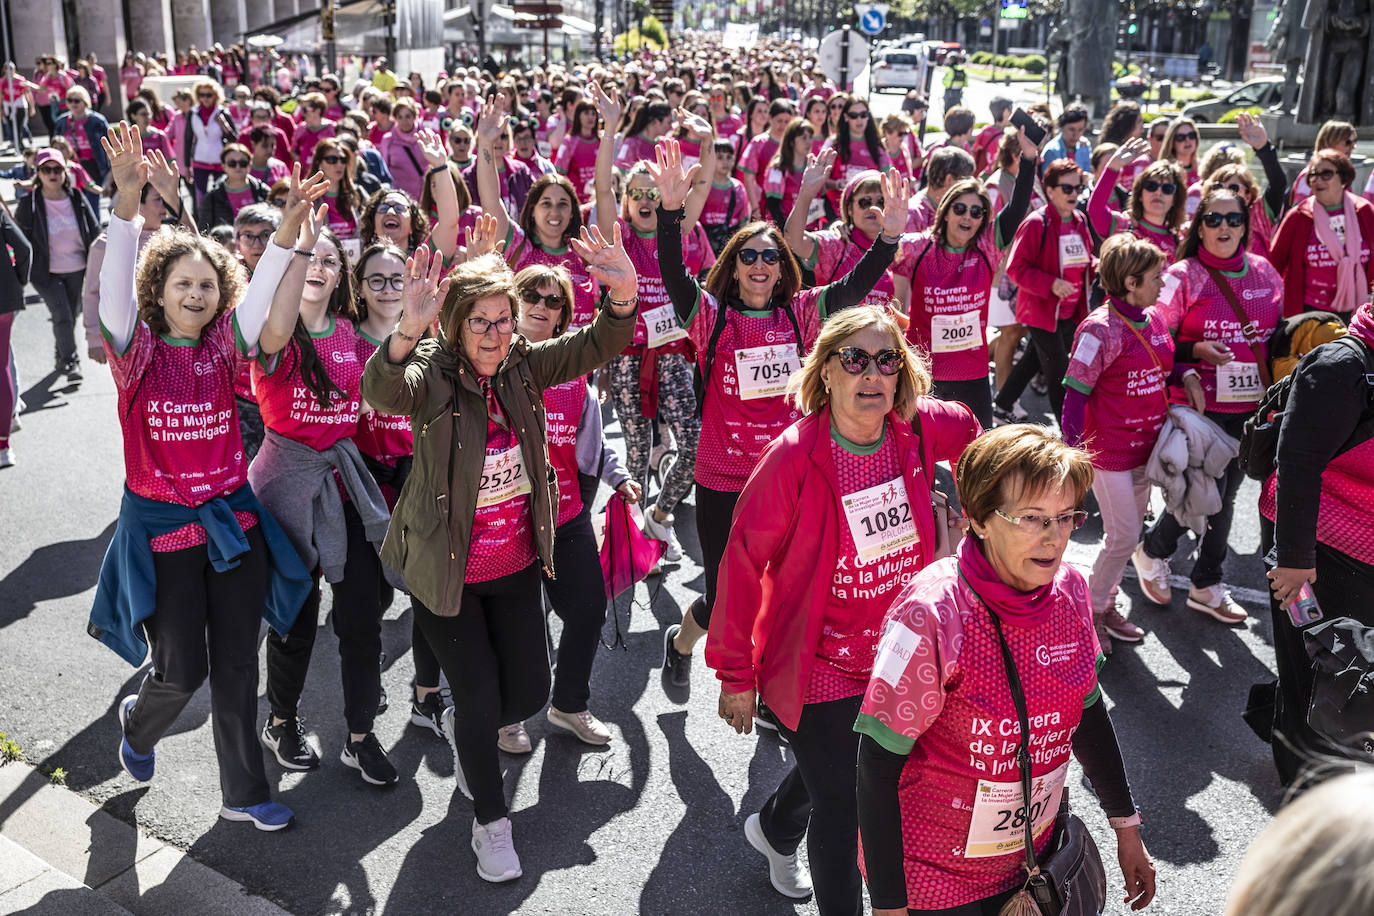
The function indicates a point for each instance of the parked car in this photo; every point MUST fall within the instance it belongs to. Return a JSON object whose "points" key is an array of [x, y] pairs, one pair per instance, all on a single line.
{"points": [[897, 70], [1261, 93]]}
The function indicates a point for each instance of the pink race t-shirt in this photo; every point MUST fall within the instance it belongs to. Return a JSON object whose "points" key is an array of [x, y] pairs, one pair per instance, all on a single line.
{"points": [[633, 149], [576, 160], [719, 211], [783, 185], [860, 160], [179, 420], [653, 297], [562, 413], [305, 139], [1124, 383], [939, 687], [880, 550], [1320, 277], [949, 302], [528, 252], [834, 257], [288, 406], [240, 198], [502, 540], [380, 436]]}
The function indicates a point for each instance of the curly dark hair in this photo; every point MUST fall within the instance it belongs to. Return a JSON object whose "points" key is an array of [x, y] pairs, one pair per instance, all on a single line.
{"points": [[164, 249], [419, 222]]}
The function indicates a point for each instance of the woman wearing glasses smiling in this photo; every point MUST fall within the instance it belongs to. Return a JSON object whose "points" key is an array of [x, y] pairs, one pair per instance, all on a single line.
{"points": [[831, 524]]}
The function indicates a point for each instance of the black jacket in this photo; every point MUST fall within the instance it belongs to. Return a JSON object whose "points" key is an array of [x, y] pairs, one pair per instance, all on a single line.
{"points": [[14, 269], [215, 209], [32, 216]]}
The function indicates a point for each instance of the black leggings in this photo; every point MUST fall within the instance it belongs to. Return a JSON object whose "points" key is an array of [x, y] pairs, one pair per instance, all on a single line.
{"points": [[988, 906], [578, 596], [1052, 349], [715, 508], [973, 393], [206, 622], [818, 799], [494, 655], [357, 617]]}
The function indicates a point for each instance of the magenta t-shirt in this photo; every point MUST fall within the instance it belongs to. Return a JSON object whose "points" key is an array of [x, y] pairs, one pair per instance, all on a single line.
{"points": [[653, 296], [240, 198], [530, 252], [1321, 266], [576, 159], [633, 149], [291, 410], [562, 413], [380, 436], [949, 302], [502, 539], [718, 212], [1125, 385], [836, 256], [938, 681]]}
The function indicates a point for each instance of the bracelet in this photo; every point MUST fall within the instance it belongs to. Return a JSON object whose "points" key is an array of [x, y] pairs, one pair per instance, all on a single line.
{"points": [[891, 241], [403, 335], [303, 253], [1121, 823], [632, 301], [436, 170]]}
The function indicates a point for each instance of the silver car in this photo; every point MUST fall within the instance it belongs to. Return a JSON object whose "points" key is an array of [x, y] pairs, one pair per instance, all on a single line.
{"points": [[897, 70], [1254, 94]]}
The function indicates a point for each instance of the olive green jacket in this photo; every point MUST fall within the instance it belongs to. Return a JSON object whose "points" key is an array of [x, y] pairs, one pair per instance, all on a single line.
{"points": [[437, 388]]}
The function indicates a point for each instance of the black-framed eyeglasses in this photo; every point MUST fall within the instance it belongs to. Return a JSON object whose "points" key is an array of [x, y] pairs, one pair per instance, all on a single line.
{"points": [[855, 360], [1322, 175], [332, 159], [747, 256], [236, 163], [480, 326], [550, 300], [974, 210], [256, 239], [1234, 219], [379, 282], [1168, 187], [1039, 524]]}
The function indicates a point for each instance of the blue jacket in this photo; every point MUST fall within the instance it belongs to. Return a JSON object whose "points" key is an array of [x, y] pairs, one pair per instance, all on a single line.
{"points": [[95, 127], [125, 593]]}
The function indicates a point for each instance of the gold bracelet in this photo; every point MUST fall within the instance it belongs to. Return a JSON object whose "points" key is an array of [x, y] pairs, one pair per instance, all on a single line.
{"points": [[403, 335]]}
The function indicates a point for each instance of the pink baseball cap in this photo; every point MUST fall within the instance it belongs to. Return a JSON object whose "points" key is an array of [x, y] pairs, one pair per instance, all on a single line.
{"points": [[51, 155]]}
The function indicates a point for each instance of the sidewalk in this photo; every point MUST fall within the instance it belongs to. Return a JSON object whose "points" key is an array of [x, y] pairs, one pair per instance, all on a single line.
{"points": [[60, 855]]}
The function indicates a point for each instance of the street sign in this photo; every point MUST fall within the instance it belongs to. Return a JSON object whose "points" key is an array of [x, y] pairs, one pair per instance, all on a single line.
{"points": [[1014, 9], [872, 17], [548, 23], [830, 56]]}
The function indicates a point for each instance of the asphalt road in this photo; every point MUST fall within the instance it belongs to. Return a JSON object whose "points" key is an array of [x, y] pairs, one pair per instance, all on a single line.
{"points": [[651, 824]]}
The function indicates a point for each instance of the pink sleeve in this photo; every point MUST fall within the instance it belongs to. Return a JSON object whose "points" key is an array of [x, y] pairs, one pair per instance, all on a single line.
{"points": [[1099, 213], [741, 203], [1092, 352]]}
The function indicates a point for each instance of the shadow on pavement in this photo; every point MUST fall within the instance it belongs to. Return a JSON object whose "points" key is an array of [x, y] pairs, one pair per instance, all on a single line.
{"points": [[51, 572]]}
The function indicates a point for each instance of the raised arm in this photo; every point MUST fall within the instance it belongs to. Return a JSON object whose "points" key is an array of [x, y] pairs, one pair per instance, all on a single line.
{"points": [[267, 316], [490, 123], [813, 180], [674, 183], [165, 176], [421, 300], [850, 290], [606, 209], [1253, 133], [444, 234], [118, 298], [701, 181], [1100, 215], [1016, 208]]}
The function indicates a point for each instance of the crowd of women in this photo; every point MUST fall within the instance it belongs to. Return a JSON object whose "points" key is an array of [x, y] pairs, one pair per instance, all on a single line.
{"points": [[370, 343]]}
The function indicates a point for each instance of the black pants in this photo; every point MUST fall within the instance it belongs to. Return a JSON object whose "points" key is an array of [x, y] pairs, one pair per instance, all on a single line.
{"points": [[1162, 538], [426, 665], [357, 617], [206, 622], [578, 597], [819, 800], [715, 509], [988, 906], [1052, 351], [62, 294], [494, 656], [973, 393], [251, 429]]}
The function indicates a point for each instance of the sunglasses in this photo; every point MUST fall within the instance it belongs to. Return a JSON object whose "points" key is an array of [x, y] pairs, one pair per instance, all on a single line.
{"points": [[747, 256], [331, 159], [550, 300], [1184, 138], [205, 95], [393, 206], [75, 100], [865, 202], [1213, 220], [1158, 136], [1073, 190], [1168, 187], [838, 107], [974, 210], [236, 163], [855, 360], [378, 282], [643, 194], [50, 170], [1323, 175], [857, 115]]}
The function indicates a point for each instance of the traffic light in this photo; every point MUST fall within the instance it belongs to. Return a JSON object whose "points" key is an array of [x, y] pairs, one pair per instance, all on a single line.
{"points": [[1132, 26]]}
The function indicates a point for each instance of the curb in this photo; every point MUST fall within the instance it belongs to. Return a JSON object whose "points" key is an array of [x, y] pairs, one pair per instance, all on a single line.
{"points": [[50, 835]]}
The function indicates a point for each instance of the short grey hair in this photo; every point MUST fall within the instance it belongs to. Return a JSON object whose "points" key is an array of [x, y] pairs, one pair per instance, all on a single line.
{"points": [[257, 213]]}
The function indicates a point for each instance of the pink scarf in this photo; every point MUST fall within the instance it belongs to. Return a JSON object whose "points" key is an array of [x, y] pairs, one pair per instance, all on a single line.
{"points": [[1351, 283], [1234, 264], [1018, 608], [1362, 324]]}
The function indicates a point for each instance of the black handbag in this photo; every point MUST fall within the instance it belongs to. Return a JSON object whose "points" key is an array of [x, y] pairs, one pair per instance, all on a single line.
{"points": [[1071, 880]]}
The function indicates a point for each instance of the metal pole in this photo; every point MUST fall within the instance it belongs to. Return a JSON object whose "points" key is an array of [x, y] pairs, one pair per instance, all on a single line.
{"points": [[9, 79], [844, 59]]}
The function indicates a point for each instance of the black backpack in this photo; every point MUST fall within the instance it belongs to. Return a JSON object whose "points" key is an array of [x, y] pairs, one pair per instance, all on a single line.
{"points": [[1259, 440], [701, 375], [719, 235]]}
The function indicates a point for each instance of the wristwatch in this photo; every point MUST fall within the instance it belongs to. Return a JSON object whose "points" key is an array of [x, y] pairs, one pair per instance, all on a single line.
{"points": [[1121, 823]]}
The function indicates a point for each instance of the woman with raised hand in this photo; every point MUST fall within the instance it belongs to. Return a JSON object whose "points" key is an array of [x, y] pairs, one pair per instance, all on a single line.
{"points": [[475, 521], [196, 560], [653, 375], [1157, 205], [750, 324], [392, 214], [831, 524]]}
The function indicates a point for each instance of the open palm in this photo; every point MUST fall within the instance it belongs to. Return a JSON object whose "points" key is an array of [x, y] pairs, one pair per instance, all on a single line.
{"points": [[674, 182], [607, 261]]}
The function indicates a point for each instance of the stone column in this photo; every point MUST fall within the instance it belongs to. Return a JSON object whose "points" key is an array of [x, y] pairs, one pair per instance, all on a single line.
{"points": [[36, 32], [261, 12], [102, 31], [150, 27], [228, 19], [191, 24]]}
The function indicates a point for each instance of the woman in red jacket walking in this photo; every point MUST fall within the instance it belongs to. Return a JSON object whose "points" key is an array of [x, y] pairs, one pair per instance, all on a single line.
{"points": [[831, 524]]}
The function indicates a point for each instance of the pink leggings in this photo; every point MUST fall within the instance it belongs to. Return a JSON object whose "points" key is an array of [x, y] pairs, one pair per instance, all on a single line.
{"points": [[7, 392]]}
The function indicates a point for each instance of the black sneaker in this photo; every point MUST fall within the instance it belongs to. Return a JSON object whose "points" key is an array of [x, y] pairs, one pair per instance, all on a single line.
{"points": [[1001, 416], [766, 718], [287, 743], [677, 668], [429, 713], [73, 370], [368, 758]]}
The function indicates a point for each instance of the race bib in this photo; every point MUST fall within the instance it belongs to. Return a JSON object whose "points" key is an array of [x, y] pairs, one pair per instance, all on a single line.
{"points": [[1072, 251], [765, 371], [952, 333], [1171, 284], [998, 826], [661, 326], [503, 478], [1239, 383], [815, 211], [1338, 226], [353, 248], [880, 519]]}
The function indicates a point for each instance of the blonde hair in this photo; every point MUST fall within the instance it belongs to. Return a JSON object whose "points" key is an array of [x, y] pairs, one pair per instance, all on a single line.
{"points": [[213, 87], [479, 278], [807, 389], [1315, 857], [1217, 155], [1025, 455]]}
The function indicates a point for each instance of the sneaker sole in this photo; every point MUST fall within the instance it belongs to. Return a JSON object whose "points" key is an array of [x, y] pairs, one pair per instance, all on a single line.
{"points": [[457, 767], [1215, 614], [426, 722], [272, 746], [495, 879], [502, 744], [124, 714], [1125, 637], [351, 762], [593, 740], [753, 832], [229, 814]]}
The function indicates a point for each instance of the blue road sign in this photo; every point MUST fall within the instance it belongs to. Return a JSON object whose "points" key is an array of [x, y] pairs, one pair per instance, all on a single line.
{"points": [[872, 21]]}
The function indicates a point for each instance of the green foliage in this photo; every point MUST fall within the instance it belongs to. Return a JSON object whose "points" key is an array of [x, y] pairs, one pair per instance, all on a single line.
{"points": [[982, 58], [1202, 96], [1230, 116], [627, 42], [58, 777], [1034, 63], [654, 30], [9, 749]]}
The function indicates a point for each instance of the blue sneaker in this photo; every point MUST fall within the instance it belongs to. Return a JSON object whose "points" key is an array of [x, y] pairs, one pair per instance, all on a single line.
{"points": [[268, 815], [139, 766]]}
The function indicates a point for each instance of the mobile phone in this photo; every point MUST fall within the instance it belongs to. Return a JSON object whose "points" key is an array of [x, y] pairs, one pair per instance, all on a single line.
{"points": [[1304, 609], [1034, 132]]}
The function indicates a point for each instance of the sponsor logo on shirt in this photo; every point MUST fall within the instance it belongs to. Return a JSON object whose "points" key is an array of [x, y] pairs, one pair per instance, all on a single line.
{"points": [[1050, 655], [1263, 293]]}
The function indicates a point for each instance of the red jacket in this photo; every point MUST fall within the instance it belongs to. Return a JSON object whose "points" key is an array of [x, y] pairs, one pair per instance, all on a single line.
{"points": [[784, 540], [1288, 250], [1034, 266]]}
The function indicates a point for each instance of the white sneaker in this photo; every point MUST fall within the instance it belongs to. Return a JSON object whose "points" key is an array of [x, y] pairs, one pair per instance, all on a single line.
{"points": [[1153, 575], [6, 457], [663, 531], [513, 739], [495, 848], [1216, 602], [789, 876], [587, 727], [447, 723]]}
